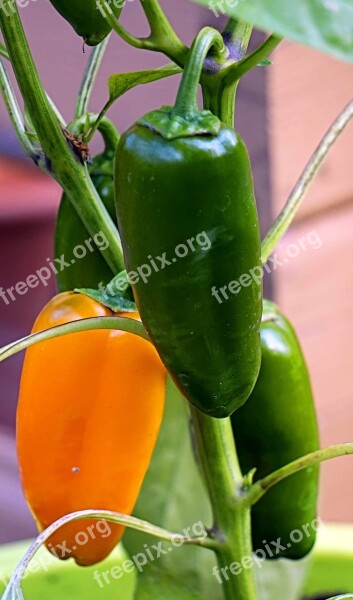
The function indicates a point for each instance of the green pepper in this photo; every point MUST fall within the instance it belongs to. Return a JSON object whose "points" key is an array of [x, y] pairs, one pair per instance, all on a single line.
{"points": [[70, 232], [86, 18], [276, 426], [189, 225]]}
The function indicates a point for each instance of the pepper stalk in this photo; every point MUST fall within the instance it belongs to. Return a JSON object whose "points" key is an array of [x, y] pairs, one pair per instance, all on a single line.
{"points": [[61, 162]]}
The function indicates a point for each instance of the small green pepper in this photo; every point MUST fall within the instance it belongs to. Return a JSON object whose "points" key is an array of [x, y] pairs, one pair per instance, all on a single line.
{"points": [[276, 426], [70, 232], [86, 18], [188, 221]]}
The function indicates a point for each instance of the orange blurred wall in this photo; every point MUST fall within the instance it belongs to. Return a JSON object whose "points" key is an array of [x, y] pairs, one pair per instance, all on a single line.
{"points": [[315, 283]]}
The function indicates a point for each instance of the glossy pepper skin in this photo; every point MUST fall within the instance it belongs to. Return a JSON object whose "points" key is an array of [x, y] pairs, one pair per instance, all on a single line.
{"points": [[276, 426], [89, 413], [86, 18], [70, 232], [169, 192]]}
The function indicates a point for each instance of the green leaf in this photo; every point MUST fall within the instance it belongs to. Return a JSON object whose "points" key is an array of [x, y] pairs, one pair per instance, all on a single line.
{"points": [[118, 304], [123, 82], [282, 579], [323, 24], [342, 597], [117, 295], [173, 496], [158, 584]]}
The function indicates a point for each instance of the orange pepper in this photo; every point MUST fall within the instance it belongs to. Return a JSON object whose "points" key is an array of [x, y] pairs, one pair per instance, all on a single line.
{"points": [[89, 414]]}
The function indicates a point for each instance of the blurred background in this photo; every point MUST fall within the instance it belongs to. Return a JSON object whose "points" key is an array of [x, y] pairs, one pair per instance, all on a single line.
{"points": [[282, 112]]}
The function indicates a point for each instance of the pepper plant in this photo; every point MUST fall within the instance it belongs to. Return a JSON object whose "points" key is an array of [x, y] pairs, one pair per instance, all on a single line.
{"points": [[182, 174]]}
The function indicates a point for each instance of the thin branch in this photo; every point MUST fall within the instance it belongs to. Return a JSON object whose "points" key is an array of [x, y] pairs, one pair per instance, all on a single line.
{"points": [[136, 42], [163, 34], [89, 78], [17, 118], [260, 488], [14, 585], [3, 52], [117, 323], [237, 36], [162, 39], [295, 199], [236, 70], [63, 162]]}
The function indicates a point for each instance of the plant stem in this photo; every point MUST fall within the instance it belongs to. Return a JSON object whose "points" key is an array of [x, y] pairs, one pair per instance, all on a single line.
{"points": [[237, 36], [162, 33], [117, 323], [295, 199], [3, 52], [162, 39], [236, 70], [186, 102], [61, 161], [224, 481], [260, 488], [89, 78], [100, 123], [16, 117], [14, 586], [219, 98], [220, 88], [160, 73]]}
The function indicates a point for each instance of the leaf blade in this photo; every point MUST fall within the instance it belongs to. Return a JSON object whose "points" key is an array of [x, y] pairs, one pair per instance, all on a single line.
{"points": [[326, 25]]}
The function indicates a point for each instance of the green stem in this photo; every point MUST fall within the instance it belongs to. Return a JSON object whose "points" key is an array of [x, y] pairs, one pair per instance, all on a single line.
{"points": [[219, 98], [61, 161], [104, 125], [3, 52], [219, 92], [12, 590], [297, 196], [89, 78], [162, 39], [186, 102], [237, 36], [162, 33], [161, 72], [17, 119], [236, 70], [260, 488], [220, 88], [224, 481], [109, 133], [116, 323]]}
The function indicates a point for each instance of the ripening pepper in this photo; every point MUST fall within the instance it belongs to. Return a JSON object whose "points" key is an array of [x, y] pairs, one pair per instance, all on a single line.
{"points": [[70, 232], [276, 426], [89, 414], [189, 226], [86, 18]]}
